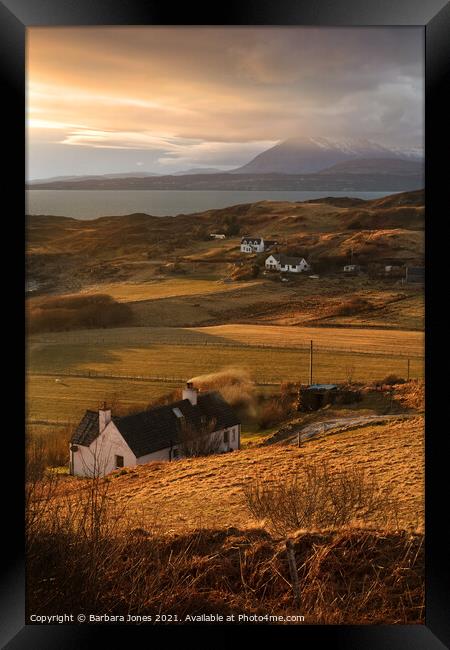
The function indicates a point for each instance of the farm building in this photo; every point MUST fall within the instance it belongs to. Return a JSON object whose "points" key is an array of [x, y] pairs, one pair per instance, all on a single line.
{"points": [[217, 235], [197, 424], [316, 396], [415, 274], [252, 245], [285, 263]]}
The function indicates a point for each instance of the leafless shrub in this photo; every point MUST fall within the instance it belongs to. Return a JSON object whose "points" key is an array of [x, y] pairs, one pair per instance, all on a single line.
{"points": [[350, 374], [200, 440], [46, 449], [317, 498], [391, 380]]}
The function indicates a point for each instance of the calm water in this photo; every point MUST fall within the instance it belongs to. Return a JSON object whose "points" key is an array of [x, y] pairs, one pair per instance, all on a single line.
{"points": [[89, 204]]}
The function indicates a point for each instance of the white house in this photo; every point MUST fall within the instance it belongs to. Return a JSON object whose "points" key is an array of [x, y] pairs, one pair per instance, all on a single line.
{"points": [[285, 263], [252, 245], [102, 443], [217, 235]]}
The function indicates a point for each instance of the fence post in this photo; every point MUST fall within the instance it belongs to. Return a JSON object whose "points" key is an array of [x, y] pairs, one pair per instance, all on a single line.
{"points": [[293, 571]]}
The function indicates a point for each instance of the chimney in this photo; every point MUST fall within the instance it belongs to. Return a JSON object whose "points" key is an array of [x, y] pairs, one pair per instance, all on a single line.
{"points": [[190, 393], [104, 417]]}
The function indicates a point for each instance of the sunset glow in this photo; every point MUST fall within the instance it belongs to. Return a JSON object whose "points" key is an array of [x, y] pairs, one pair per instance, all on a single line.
{"points": [[163, 99]]}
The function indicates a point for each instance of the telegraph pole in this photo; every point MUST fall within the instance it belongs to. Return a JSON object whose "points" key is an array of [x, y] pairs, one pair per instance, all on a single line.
{"points": [[310, 363], [408, 370]]}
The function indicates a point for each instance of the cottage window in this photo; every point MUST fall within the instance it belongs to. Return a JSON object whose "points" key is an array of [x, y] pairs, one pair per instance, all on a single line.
{"points": [[233, 435], [226, 436], [119, 461]]}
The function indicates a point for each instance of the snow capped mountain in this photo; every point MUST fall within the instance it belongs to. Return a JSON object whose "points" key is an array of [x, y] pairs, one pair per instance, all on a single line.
{"points": [[308, 155]]}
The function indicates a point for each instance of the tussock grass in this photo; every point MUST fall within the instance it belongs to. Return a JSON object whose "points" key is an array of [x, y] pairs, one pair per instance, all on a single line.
{"points": [[87, 556]]}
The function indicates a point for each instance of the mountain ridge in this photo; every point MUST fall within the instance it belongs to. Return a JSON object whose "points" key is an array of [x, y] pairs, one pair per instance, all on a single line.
{"points": [[311, 155], [293, 157]]}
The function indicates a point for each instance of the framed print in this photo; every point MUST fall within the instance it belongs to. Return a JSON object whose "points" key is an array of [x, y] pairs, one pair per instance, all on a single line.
{"points": [[229, 411]]}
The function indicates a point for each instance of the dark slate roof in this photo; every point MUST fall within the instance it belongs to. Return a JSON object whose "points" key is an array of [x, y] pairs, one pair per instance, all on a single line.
{"points": [[157, 428], [286, 259], [251, 240], [87, 429]]}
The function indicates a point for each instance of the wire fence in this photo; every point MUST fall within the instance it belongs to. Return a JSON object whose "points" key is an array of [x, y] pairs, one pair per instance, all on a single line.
{"points": [[365, 349], [347, 374]]}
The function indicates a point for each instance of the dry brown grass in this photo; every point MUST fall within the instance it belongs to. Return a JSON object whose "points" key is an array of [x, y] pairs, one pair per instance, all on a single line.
{"points": [[345, 339], [162, 288], [177, 537], [211, 489], [88, 556], [352, 577], [411, 395], [318, 498]]}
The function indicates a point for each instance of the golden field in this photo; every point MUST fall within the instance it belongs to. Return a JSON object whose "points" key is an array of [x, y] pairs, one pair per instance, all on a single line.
{"points": [[166, 357]]}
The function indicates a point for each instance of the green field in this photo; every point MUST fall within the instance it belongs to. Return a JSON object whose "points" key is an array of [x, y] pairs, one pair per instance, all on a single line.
{"points": [[71, 371]]}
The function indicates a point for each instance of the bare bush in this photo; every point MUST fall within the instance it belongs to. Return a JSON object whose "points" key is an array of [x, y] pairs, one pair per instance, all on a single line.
{"points": [[350, 374], [391, 380], [86, 553], [317, 498], [199, 440], [46, 449]]}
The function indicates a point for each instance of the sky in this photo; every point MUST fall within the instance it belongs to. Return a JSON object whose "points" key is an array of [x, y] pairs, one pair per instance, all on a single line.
{"points": [[163, 99]]}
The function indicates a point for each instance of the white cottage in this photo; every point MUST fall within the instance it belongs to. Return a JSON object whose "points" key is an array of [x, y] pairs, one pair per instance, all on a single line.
{"points": [[285, 263], [252, 245], [103, 443]]}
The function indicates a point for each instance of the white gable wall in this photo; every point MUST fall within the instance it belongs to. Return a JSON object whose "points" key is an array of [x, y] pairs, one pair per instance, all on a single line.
{"points": [[99, 458], [295, 268], [252, 246], [272, 263]]}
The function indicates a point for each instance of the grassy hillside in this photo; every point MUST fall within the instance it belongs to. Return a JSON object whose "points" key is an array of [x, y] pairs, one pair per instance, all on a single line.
{"points": [[119, 247], [181, 536], [170, 274], [211, 489]]}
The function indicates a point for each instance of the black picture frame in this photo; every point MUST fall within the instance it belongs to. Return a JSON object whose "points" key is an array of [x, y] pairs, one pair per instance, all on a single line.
{"points": [[434, 16]]}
